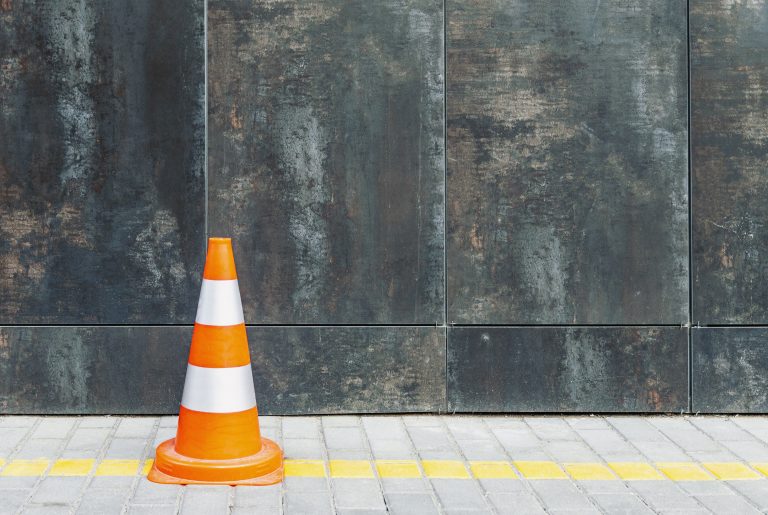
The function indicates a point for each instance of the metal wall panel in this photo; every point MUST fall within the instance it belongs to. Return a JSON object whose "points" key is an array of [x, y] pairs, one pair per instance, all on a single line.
{"points": [[102, 189], [729, 137], [296, 369], [326, 157], [559, 369], [567, 162], [729, 369]]}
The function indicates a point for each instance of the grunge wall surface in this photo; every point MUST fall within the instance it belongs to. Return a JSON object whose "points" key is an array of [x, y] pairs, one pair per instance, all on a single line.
{"points": [[459, 205]]}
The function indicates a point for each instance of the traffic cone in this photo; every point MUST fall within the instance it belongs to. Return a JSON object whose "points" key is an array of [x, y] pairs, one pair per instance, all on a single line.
{"points": [[218, 439]]}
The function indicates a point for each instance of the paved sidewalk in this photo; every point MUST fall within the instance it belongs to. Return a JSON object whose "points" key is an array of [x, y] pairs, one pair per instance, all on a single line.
{"points": [[404, 464]]}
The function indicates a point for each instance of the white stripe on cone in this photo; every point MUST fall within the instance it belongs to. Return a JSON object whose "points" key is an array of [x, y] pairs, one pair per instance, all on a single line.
{"points": [[219, 303], [219, 390]]}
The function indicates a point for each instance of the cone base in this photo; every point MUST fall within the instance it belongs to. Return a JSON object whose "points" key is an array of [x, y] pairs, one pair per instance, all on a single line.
{"points": [[260, 469]]}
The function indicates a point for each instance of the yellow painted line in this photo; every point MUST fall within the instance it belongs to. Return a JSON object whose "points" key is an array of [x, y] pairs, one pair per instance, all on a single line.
{"points": [[404, 469], [683, 471], [304, 468], [635, 471], [25, 468], [117, 468], [76, 467], [760, 467], [445, 469], [492, 470], [730, 471], [350, 468], [589, 471], [540, 470], [147, 466]]}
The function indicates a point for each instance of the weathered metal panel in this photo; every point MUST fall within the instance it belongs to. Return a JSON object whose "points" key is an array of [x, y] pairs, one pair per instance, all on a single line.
{"points": [[326, 157], [296, 369], [729, 137], [729, 369], [567, 162], [101, 161], [566, 369]]}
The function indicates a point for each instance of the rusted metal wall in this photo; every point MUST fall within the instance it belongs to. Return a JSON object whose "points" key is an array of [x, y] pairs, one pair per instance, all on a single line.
{"points": [[459, 205]]}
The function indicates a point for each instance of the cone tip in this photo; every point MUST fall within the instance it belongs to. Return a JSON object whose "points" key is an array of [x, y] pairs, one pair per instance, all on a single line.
{"points": [[220, 262]]}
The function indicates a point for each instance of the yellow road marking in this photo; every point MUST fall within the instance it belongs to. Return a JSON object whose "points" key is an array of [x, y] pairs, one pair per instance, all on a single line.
{"points": [[25, 468], [350, 468], [304, 468], [398, 468], [540, 470], [684, 471], [147, 466], [492, 470], [74, 467], [731, 471], [760, 467], [445, 469], [635, 471], [589, 471], [117, 468]]}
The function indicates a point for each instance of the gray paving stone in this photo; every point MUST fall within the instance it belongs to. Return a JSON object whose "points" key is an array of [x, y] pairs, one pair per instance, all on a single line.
{"points": [[163, 434], [610, 445], [306, 484], [727, 504], [621, 504], [343, 454], [87, 442], [661, 451], [354, 511], [40, 448], [755, 491], [248, 510], [720, 428], [480, 449], [303, 448], [663, 495], [515, 503], [110, 483], [340, 421], [384, 428], [685, 435], [704, 487], [205, 500], [570, 452], [126, 448], [459, 494], [748, 450], [265, 497], [54, 427], [357, 493], [153, 493], [410, 503], [309, 503], [603, 487], [392, 449], [429, 438], [551, 428], [503, 485], [467, 428], [636, 429], [344, 438], [102, 502], [401, 485], [91, 422], [159, 509], [561, 494], [18, 482], [64, 490], [446, 454], [301, 427], [12, 499], [422, 421], [10, 438], [505, 422], [173, 421], [590, 422], [18, 421], [270, 421], [135, 427], [46, 509]]}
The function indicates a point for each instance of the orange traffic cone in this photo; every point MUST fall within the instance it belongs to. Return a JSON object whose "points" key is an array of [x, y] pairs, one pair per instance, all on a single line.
{"points": [[218, 439]]}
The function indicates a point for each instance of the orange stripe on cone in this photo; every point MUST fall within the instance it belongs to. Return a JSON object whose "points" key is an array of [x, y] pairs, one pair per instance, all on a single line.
{"points": [[218, 439], [217, 346]]}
